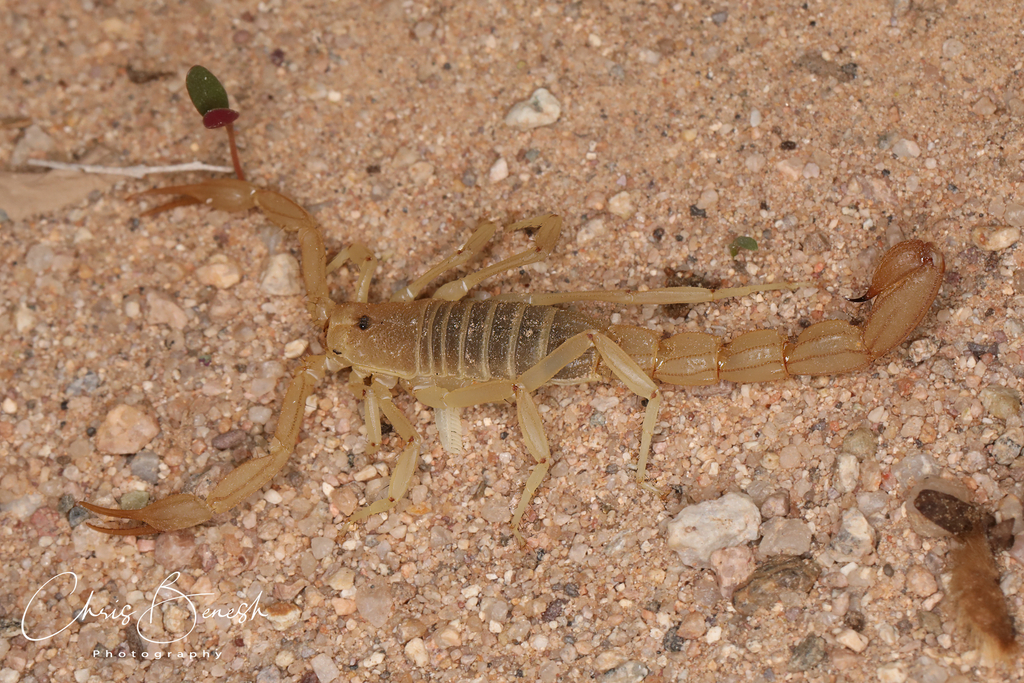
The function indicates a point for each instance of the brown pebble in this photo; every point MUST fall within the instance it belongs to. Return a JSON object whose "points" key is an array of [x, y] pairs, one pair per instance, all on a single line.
{"points": [[227, 440], [773, 577]]}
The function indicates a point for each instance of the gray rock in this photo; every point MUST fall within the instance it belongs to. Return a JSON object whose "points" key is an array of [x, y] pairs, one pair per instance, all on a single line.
{"points": [[785, 537], [146, 466]]}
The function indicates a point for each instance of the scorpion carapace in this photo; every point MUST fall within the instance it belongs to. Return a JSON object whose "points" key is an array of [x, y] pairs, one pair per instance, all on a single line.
{"points": [[451, 353]]}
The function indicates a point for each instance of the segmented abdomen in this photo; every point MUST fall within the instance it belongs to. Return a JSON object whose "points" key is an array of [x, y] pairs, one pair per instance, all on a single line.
{"points": [[481, 340]]}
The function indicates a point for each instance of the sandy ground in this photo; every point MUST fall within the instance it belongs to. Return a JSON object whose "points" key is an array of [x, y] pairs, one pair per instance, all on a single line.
{"points": [[875, 121]]}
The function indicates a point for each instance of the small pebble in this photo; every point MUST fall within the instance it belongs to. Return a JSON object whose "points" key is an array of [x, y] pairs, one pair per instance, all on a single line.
{"points": [[34, 142], [283, 615], [733, 566], [219, 271], [342, 580], [164, 311], [953, 48], [146, 466], [593, 229], [281, 276], [698, 530], [134, 500], [39, 258], [807, 654], [23, 507], [853, 640], [416, 651], [621, 205], [755, 118], [1000, 402], [921, 582], [228, 440], [125, 430], [791, 169], [498, 171], [324, 667], [784, 537], [321, 547], [855, 538], [174, 549], [984, 106], [627, 672], [775, 505], [994, 237], [447, 637], [755, 162], [847, 472], [1013, 214], [421, 172], [77, 515], [906, 148], [374, 601], [541, 109], [894, 672], [693, 626], [914, 468], [10, 406]]}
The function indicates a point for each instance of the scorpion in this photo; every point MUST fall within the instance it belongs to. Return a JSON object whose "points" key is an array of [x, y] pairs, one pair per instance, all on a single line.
{"points": [[451, 353]]}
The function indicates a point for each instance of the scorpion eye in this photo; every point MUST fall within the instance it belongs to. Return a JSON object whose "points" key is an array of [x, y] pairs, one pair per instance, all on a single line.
{"points": [[364, 322]]}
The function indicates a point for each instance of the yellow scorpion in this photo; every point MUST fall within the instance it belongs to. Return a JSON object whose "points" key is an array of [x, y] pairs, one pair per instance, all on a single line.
{"points": [[451, 353]]}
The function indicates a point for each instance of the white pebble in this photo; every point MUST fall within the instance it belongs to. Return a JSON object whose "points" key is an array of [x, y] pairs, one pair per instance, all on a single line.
{"points": [[125, 430], [755, 118], [621, 205], [792, 169], [164, 311], [499, 171], [220, 272], [906, 148], [853, 640], [891, 673], [994, 237], [9, 406], [708, 198], [541, 109], [281, 276], [755, 162], [811, 170], [416, 651], [295, 348]]}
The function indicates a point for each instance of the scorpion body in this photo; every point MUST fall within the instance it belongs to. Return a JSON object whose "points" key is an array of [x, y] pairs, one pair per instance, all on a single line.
{"points": [[451, 353]]}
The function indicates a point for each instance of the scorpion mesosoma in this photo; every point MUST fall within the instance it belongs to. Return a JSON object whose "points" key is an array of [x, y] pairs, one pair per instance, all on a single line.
{"points": [[453, 353]]}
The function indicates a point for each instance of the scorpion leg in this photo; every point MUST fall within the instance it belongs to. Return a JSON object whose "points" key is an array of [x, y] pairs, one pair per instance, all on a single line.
{"points": [[548, 227], [618, 361], [406, 465], [357, 253], [181, 511]]}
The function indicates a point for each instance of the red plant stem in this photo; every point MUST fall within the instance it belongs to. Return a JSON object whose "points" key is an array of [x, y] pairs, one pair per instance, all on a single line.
{"points": [[234, 152]]}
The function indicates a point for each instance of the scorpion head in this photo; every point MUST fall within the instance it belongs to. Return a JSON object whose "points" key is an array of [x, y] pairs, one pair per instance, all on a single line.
{"points": [[378, 337]]}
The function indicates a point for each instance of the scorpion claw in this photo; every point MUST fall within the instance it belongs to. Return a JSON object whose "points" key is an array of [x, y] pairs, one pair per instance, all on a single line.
{"points": [[179, 511], [226, 194]]}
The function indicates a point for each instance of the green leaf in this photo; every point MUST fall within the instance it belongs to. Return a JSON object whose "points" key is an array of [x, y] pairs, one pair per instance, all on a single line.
{"points": [[206, 91], [742, 242]]}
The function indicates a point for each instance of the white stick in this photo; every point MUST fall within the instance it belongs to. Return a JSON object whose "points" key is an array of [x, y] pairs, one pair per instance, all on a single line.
{"points": [[130, 171]]}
